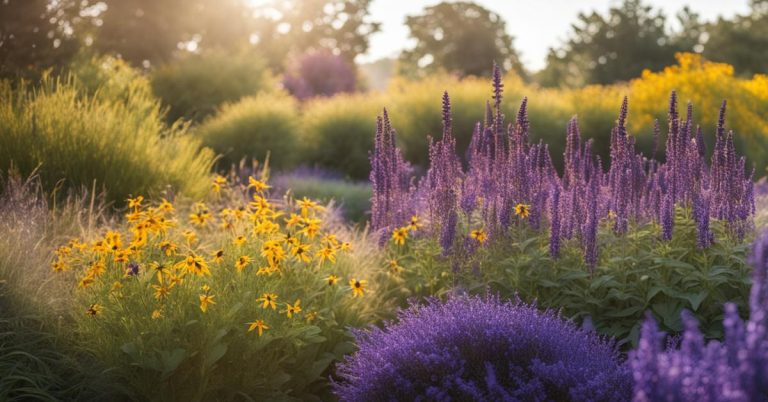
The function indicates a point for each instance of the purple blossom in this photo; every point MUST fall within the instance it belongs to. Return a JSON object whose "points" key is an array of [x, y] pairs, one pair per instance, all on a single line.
{"points": [[473, 348], [735, 370]]}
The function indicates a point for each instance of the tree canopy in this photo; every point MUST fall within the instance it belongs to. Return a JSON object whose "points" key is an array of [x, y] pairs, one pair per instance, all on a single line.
{"points": [[462, 38]]}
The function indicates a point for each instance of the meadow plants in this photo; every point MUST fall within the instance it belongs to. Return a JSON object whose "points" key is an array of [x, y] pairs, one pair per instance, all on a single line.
{"points": [[238, 295], [492, 212]]}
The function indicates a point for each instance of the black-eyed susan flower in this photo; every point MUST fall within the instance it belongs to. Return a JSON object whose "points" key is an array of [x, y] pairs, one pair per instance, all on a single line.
{"points": [[218, 256], [326, 253], [156, 313], [399, 235], [240, 240], [257, 185], [93, 310], [242, 262], [168, 247], [415, 223], [205, 300], [200, 218], [346, 246], [331, 280], [357, 287], [311, 227], [258, 325], [85, 281], [290, 310], [522, 210], [135, 202], [116, 286], [165, 206], [310, 316], [218, 182], [301, 251], [59, 265], [479, 235], [306, 205], [194, 264], [268, 300], [292, 221]]}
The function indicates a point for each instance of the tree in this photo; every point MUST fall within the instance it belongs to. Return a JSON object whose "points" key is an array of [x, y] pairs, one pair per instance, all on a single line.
{"points": [[462, 38], [36, 34], [148, 32], [296, 27], [619, 46], [742, 41]]}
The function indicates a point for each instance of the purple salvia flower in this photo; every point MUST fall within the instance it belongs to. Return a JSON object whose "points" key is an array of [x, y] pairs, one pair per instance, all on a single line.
{"points": [[554, 221], [667, 216]]}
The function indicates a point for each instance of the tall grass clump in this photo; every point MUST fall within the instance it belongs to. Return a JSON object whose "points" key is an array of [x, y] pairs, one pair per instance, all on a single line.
{"points": [[116, 140], [236, 296], [336, 135], [634, 233], [471, 348], [195, 86], [253, 128], [38, 360]]}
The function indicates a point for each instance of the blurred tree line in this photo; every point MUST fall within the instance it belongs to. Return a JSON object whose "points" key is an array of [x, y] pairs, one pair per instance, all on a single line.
{"points": [[461, 37]]}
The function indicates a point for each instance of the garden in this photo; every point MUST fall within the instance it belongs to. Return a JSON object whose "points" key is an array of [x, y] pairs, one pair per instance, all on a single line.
{"points": [[224, 201]]}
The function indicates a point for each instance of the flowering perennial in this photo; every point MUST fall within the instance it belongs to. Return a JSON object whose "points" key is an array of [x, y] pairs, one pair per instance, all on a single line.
{"points": [[509, 181], [735, 370], [480, 349]]}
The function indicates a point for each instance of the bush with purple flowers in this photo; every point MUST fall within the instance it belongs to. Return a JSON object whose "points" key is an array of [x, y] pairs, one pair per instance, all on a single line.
{"points": [[320, 74], [473, 348], [735, 370], [601, 240]]}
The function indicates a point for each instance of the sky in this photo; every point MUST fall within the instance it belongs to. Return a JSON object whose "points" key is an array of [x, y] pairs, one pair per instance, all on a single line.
{"points": [[535, 25]]}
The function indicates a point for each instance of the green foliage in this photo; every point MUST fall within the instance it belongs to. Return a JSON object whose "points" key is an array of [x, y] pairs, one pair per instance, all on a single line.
{"points": [[461, 38], [338, 133], [33, 36], [635, 273], [172, 347], [114, 139], [352, 198], [736, 41], [252, 128], [194, 86]]}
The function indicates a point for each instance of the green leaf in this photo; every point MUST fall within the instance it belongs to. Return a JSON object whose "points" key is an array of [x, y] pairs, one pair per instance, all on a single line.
{"points": [[215, 353]]}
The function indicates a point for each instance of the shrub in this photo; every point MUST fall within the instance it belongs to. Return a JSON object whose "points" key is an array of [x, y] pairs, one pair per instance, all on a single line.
{"points": [[189, 304], [252, 128], [196, 85], [498, 219], [352, 198], [114, 139], [707, 84], [481, 349], [320, 73], [734, 370], [337, 133]]}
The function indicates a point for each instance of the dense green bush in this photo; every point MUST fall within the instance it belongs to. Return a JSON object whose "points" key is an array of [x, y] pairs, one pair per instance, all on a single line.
{"points": [[196, 85], [252, 128], [635, 273], [352, 198], [115, 138], [337, 133]]}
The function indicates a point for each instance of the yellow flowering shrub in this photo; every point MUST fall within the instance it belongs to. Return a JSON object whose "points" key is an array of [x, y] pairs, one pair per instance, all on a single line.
{"points": [[238, 293], [706, 84]]}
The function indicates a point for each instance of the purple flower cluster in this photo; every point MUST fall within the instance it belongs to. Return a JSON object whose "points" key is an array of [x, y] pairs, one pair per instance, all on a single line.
{"points": [[481, 349], [505, 170], [390, 177], [320, 74], [735, 370]]}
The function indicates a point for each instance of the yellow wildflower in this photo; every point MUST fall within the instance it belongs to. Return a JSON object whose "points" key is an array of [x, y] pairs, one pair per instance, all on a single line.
{"points": [[290, 310], [194, 264], [292, 221], [258, 185], [415, 223], [522, 210], [301, 251], [357, 286], [242, 262], [218, 256], [156, 313], [93, 310], [168, 247], [218, 182], [479, 235], [394, 266], [331, 279], [326, 253], [399, 235], [205, 300], [268, 300], [240, 240], [259, 325], [135, 202]]}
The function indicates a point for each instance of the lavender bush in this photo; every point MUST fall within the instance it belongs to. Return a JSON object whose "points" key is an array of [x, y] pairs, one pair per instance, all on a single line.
{"points": [[472, 348], [320, 74], [734, 370]]}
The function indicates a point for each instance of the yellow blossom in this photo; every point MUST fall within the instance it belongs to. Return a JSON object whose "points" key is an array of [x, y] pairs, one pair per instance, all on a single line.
{"points": [[135, 202], [479, 235], [290, 310], [357, 287], [415, 223], [301, 251], [242, 262], [268, 300], [258, 325], [326, 253], [394, 266], [399, 235], [331, 280], [205, 300], [93, 310], [156, 313], [258, 185], [292, 221], [240, 240], [522, 210], [218, 256], [195, 264]]}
